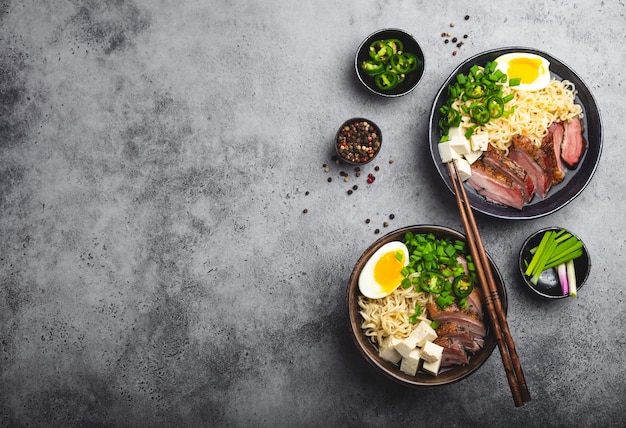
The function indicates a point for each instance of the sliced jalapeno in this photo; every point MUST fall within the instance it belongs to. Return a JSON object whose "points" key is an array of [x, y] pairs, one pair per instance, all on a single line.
{"points": [[372, 67], [386, 80], [380, 51], [399, 63], [495, 105], [479, 114], [432, 282], [463, 285]]}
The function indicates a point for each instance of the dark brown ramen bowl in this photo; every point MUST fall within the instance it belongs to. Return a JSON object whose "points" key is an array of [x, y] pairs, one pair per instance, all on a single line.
{"points": [[548, 286], [370, 351]]}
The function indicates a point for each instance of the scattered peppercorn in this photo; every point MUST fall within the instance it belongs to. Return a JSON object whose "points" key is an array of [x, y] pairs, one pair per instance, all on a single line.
{"points": [[392, 216], [385, 224], [377, 231], [454, 39], [443, 34], [329, 179], [327, 169], [376, 168], [458, 45], [446, 41], [355, 187], [306, 193], [346, 179], [367, 221], [305, 211], [467, 17], [358, 173], [390, 161], [453, 53], [465, 36], [349, 191]]}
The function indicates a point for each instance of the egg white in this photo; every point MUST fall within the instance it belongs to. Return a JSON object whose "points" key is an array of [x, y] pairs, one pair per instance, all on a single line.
{"points": [[368, 286], [542, 80]]}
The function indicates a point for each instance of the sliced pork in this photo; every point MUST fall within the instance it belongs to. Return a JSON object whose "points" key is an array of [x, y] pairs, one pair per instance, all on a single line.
{"points": [[495, 158], [453, 352], [535, 161], [468, 321], [460, 334], [495, 186], [573, 145], [554, 165]]}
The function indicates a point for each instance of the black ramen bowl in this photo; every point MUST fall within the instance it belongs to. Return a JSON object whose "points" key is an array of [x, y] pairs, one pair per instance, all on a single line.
{"points": [[548, 285], [369, 350], [575, 181], [410, 45]]}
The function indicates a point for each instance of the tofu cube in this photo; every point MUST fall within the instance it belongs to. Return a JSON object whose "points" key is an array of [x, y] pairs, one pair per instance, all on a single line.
{"points": [[446, 152], [464, 168], [407, 345], [432, 368], [479, 141], [431, 352], [460, 144], [456, 131], [387, 350], [473, 156], [424, 333], [410, 363]]}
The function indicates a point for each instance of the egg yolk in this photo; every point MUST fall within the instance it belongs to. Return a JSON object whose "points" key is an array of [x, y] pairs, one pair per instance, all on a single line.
{"points": [[387, 270], [527, 69]]}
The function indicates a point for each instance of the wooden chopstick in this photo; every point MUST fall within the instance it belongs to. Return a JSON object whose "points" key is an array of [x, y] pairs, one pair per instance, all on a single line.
{"points": [[510, 359]]}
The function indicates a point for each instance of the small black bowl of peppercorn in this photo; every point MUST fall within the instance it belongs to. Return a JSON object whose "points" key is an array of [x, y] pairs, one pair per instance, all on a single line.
{"points": [[358, 141], [390, 62]]}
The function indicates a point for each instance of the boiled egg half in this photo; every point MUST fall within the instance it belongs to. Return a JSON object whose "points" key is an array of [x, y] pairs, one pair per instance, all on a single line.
{"points": [[533, 70], [382, 273]]}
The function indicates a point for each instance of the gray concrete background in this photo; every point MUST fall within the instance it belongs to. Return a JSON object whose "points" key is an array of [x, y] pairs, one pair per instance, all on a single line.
{"points": [[156, 266]]}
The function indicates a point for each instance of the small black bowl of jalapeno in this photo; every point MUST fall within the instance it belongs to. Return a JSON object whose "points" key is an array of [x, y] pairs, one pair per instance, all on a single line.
{"points": [[390, 62]]}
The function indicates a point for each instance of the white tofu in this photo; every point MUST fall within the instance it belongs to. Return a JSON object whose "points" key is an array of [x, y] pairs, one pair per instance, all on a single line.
{"points": [[479, 141], [464, 168], [410, 363], [473, 156], [432, 368], [424, 333], [431, 352], [446, 152], [460, 144], [387, 350], [406, 346], [456, 131]]}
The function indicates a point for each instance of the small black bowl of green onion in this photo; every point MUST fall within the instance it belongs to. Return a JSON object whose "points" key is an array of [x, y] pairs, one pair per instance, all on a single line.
{"points": [[554, 263], [390, 62]]}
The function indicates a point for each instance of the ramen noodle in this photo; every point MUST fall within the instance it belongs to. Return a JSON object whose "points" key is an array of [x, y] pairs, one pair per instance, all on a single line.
{"points": [[389, 316]]}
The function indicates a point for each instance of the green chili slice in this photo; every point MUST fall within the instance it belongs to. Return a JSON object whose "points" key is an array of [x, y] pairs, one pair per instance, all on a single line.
{"points": [[386, 80], [372, 67], [395, 44], [432, 282], [399, 63], [463, 285], [380, 51], [495, 105], [479, 114]]}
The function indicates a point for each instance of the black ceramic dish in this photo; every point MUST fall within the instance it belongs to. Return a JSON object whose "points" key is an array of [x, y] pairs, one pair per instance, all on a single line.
{"points": [[548, 285], [370, 351], [575, 181], [410, 45]]}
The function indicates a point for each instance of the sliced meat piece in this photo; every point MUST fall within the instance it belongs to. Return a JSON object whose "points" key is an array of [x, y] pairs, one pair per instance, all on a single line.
{"points": [[495, 186], [556, 131], [474, 303], [553, 152], [464, 337], [469, 321], [535, 161], [453, 352], [495, 158], [573, 145]]}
